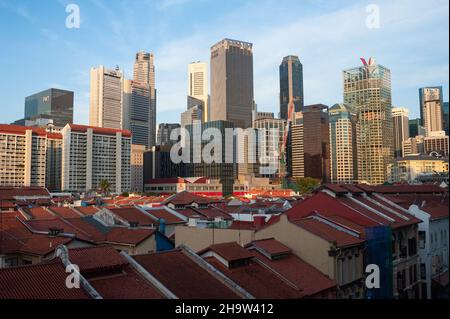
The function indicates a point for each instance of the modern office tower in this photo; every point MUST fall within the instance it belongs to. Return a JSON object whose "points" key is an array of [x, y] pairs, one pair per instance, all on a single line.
{"points": [[367, 92], [144, 73], [408, 169], [430, 99], [232, 82], [316, 143], [270, 143], [192, 114], [296, 166], [445, 115], [52, 104], [264, 115], [225, 168], [137, 112], [94, 154], [343, 145], [436, 142], [400, 119], [413, 146], [137, 168], [164, 131], [30, 156], [416, 128], [106, 98], [158, 164], [198, 87], [291, 85]]}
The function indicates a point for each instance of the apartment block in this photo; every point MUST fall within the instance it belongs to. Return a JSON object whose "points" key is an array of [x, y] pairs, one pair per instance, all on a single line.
{"points": [[30, 156], [93, 154]]}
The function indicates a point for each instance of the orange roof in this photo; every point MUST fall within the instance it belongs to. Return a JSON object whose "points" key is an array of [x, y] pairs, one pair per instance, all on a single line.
{"points": [[99, 130], [17, 129]]}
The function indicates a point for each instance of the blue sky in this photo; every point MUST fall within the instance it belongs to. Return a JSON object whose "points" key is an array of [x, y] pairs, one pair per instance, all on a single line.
{"points": [[37, 51]]}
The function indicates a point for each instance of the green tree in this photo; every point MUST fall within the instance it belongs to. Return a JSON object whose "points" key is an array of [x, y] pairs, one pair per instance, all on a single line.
{"points": [[105, 186], [307, 185]]}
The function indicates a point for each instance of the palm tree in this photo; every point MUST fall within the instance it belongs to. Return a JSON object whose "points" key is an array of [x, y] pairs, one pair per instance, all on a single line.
{"points": [[105, 186]]}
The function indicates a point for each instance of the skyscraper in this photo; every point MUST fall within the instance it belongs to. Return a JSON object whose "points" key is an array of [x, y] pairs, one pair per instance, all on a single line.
{"points": [[416, 128], [316, 142], [137, 115], [52, 104], [106, 98], [291, 85], [367, 92], [164, 131], [296, 166], [198, 87], [400, 128], [232, 82], [144, 73], [192, 114], [343, 144], [430, 99]]}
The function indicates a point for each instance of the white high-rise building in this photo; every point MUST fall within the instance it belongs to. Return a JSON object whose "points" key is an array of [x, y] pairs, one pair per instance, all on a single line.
{"points": [[30, 156], [431, 108], [106, 98], [93, 154], [198, 87]]}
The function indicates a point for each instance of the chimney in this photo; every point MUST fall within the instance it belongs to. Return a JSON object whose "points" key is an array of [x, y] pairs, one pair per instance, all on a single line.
{"points": [[259, 221]]}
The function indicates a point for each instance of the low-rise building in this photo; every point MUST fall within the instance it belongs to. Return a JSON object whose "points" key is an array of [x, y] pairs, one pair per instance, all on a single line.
{"points": [[408, 169]]}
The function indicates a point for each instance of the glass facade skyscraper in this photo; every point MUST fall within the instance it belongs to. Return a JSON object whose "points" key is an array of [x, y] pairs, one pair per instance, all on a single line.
{"points": [[367, 92], [52, 104], [232, 82], [291, 85]]}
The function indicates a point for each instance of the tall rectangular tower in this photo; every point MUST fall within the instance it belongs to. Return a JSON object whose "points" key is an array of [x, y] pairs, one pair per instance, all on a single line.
{"points": [[198, 87], [144, 73], [291, 85], [431, 108], [400, 118], [367, 92], [232, 82], [106, 98]]}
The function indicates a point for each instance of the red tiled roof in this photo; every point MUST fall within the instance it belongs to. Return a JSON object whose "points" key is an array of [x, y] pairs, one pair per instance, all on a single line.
{"points": [[6, 204], [96, 258], [20, 130], [168, 217], [409, 189], [303, 275], [126, 285], [184, 277], [327, 232], [38, 213], [187, 198], [245, 225], [99, 130], [212, 213], [65, 212], [41, 281], [229, 251], [87, 210], [327, 205], [271, 247], [132, 214], [12, 192], [435, 210], [258, 280]]}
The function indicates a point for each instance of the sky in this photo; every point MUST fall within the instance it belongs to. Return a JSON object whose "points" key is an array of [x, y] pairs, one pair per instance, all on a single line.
{"points": [[38, 51]]}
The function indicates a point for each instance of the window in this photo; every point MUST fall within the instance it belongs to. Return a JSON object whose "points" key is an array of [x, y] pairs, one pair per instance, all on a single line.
{"points": [[423, 271], [422, 239], [412, 246]]}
